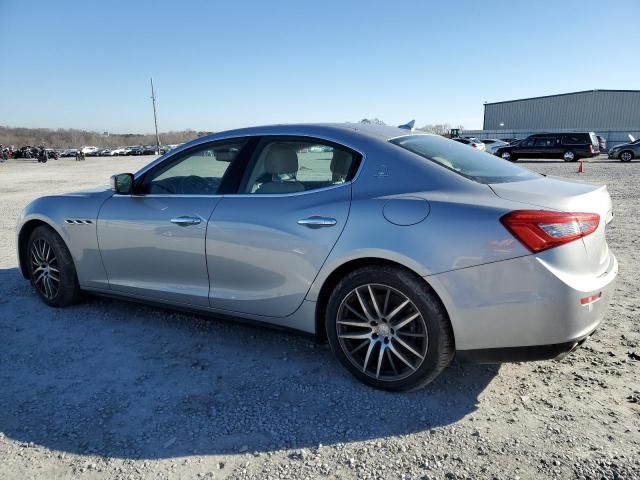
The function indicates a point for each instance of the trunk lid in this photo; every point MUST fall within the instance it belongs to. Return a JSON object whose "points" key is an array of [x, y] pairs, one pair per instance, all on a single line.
{"points": [[562, 195]]}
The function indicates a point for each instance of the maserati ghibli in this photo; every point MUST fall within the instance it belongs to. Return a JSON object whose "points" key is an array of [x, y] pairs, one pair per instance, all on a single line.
{"points": [[399, 248]]}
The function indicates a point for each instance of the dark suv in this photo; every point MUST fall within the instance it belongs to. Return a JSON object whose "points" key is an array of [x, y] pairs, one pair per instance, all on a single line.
{"points": [[568, 146]]}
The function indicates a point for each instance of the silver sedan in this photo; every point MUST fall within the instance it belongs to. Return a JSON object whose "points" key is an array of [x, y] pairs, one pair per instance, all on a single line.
{"points": [[401, 249]]}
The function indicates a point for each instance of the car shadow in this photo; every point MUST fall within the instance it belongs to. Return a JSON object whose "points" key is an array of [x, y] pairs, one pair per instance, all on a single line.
{"points": [[116, 379]]}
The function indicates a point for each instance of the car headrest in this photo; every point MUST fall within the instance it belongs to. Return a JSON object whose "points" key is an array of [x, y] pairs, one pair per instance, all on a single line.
{"points": [[340, 163], [281, 159]]}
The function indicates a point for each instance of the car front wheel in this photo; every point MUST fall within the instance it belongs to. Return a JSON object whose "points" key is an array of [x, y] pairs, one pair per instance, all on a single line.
{"points": [[388, 328], [508, 156], [51, 269], [626, 156]]}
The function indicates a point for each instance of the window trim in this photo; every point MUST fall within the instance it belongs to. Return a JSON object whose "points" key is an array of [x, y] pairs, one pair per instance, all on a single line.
{"points": [[355, 169]]}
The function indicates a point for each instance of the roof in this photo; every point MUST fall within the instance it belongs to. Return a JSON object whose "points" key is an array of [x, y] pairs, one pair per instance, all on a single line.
{"points": [[563, 95]]}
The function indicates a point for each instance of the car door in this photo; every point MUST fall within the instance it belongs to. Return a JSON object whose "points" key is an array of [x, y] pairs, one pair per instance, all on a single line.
{"points": [[266, 244], [153, 241], [525, 148]]}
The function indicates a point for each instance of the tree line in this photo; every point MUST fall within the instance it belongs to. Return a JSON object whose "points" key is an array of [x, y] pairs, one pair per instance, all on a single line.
{"points": [[439, 128], [73, 138]]}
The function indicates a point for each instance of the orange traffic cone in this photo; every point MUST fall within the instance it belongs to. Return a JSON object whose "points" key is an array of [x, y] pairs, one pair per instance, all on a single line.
{"points": [[581, 167]]}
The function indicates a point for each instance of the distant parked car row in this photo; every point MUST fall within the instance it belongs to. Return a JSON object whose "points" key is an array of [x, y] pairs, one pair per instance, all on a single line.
{"points": [[91, 151], [569, 146]]}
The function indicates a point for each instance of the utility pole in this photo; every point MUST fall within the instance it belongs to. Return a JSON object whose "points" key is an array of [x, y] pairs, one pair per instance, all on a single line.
{"points": [[155, 117]]}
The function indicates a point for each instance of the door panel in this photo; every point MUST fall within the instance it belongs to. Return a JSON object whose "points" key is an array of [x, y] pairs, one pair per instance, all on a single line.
{"points": [[145, 253], [261, 261]]}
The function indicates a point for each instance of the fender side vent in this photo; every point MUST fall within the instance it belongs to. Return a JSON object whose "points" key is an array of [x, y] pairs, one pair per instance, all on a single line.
{"points": [[78, 221]]}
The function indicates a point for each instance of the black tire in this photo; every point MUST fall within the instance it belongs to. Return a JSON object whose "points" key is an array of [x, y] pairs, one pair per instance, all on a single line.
{"points": [[68, 291], [440, 344], [508, 156], [626, 156], [569, 156]]}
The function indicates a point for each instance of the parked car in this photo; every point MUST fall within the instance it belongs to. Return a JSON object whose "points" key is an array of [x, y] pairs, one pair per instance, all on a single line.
{"points": [[477, 144], [149, 150], [400, 248], [89, 151], [626, 151], [492, 144], [103, 152], [69, 152], [602, 143], [511, 141], [134, 150], [118, 151], [568, 146]]}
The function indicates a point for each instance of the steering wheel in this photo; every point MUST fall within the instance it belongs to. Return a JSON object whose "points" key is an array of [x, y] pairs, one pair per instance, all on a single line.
{"points": [[194, 185]]}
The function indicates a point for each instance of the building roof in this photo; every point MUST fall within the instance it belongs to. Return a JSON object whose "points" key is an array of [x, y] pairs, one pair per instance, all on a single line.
{"points": [[562, 95]]}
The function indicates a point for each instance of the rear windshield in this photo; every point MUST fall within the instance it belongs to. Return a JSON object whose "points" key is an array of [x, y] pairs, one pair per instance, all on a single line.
{"points": [[464, 160]]}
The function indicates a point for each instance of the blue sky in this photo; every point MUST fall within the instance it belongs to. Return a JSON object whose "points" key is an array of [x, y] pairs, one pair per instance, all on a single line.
{"points": [[220, 65]]}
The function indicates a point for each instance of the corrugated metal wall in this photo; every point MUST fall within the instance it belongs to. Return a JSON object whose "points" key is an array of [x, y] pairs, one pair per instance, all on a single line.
{"points": [[597, 110]]}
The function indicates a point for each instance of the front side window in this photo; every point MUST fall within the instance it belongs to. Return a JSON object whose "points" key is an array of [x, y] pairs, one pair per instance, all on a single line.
{"points": [[293, 166], [197, 172], [468, 162]]}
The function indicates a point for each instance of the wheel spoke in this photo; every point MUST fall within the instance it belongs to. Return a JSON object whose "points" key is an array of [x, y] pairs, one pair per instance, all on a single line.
{"points": [[354, 324], [357, 314], [364, 307], [354, 336], [410, 334], [393, 364], [374, 301], [359, 347], [386, 302], [408, 347], [39, 277], [380, 357], [401, 357], [409, 319], [398, 309], [366, 358]]}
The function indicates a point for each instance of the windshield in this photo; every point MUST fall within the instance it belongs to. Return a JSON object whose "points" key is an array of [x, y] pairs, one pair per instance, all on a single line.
{"points": [[466, 161]]}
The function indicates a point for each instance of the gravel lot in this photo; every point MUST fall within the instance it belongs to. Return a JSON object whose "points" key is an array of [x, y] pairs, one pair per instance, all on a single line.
{"points": [[108, 389]]}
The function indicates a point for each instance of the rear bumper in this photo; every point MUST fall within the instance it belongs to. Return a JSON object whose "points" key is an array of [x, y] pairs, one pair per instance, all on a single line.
{"points": [[522, 354], [520, 309]]}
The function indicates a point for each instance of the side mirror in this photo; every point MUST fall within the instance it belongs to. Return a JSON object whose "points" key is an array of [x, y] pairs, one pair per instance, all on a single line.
{"points": [[122, 183]]}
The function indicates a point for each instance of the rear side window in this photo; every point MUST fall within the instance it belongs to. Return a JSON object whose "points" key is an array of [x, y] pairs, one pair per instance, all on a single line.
{"points": [[545, 142], [473, 164], [575, 139], [297, 165]]}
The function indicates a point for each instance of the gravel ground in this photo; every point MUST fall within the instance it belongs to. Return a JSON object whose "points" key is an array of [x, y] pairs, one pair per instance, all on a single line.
{"points": [[108, 389]]}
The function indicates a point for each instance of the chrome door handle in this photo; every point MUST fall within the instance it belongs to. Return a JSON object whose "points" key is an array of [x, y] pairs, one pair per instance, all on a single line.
{"points": [[185, 221], [317, 222]]}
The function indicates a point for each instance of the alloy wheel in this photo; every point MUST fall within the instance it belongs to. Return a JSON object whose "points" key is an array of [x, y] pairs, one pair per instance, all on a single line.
{"points": [[45, 270], [625, 156], [506, 156], [382, 332], [569, 156]]}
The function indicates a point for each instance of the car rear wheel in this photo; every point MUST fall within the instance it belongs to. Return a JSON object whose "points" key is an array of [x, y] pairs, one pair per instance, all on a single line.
{"points": [[388, 329], [626, 156], [51, 269], [569, 156]]}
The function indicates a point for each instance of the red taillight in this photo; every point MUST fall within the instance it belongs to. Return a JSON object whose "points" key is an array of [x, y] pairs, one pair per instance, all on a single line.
{"points": [[474, 145], [591, 149], [540, 229]]}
